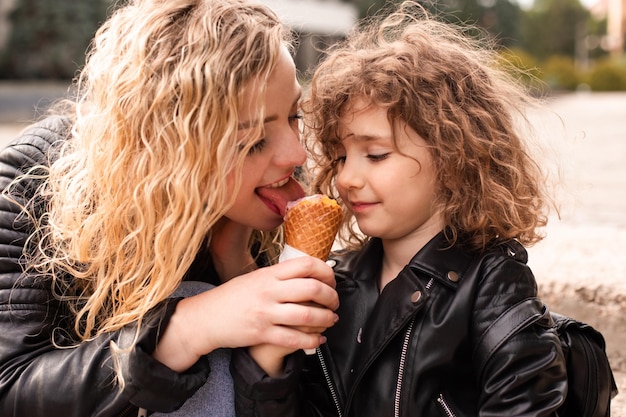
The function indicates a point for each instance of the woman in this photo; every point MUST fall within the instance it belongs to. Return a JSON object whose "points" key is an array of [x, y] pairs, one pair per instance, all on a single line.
{"points": [[173, 164]]}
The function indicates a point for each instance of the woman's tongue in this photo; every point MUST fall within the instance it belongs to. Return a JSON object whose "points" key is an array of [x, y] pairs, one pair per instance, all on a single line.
{"points": [[276, 198]]}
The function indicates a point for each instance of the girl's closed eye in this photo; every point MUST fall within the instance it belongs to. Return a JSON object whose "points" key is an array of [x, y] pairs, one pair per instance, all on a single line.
{"points": [[378, 157]]}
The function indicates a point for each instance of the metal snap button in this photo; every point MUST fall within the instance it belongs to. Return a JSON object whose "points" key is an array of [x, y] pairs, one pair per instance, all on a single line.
{"points": [[415, 297], [453, 276]]}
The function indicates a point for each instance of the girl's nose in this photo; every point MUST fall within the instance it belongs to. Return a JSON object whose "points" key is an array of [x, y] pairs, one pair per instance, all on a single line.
{"points": [[348, 176]]}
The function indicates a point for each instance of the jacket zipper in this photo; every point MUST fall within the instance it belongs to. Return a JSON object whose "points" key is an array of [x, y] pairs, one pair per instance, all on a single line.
{"points": [[329, 382], [405, 348], [128, 411], [403, 354], [446, 408]]}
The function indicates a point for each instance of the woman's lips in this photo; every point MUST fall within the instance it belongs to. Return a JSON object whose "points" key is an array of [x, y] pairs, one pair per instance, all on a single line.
{"points": [[278, 194]]}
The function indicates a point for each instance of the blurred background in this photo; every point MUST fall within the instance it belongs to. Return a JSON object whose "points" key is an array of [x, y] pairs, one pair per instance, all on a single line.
{"points": [[569, 44], [561, 45]]}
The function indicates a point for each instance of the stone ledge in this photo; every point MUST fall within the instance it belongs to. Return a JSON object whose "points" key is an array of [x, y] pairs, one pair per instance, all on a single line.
{"points": [[603, 307], [618, 405]]}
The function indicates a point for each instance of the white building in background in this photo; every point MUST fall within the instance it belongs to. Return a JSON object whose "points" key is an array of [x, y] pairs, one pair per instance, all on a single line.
{"points": [[616, 26], [317, 23]]}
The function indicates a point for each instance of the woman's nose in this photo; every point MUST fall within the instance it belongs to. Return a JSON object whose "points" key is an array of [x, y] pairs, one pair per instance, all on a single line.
{"points": [[291, 153]]}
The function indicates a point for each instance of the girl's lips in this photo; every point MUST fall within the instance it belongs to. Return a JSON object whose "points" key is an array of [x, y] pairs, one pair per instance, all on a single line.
{"points": [[358, 207], [277, 195]]}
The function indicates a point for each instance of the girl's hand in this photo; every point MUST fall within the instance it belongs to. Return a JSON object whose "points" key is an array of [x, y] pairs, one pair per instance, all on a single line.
{"points": [[270, 358], [271, 305]]}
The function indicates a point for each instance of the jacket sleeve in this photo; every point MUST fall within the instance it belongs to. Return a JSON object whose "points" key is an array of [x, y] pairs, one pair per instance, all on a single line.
{"points": [[525, 374], [301, 391], [41, 372], [257, 394]]}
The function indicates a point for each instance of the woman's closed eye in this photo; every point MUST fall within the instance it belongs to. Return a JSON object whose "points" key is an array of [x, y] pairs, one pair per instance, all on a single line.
{"points": [[295, 117], [257, 147], [341, 159]]}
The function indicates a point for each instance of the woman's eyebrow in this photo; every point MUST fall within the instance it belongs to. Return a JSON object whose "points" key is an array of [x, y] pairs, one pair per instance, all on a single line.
{"points": [[249, 123]]}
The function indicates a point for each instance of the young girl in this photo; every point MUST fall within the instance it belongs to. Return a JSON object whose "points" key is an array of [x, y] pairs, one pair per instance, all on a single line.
{"points": [[181, 144], [415, 131]]}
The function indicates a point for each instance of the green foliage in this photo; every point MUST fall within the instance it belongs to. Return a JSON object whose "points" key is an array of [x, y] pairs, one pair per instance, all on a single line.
{"points": [[560, 73], [500, 19], [372, 7], [523, 67], [608, 75], [520, 64], [552, 27], [49, 38]]}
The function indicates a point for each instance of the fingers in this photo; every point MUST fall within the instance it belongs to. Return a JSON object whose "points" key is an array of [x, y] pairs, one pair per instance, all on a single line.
{"points": [[288, 305], [306, 290], [305, 317], [306, 266], [294, 339]]}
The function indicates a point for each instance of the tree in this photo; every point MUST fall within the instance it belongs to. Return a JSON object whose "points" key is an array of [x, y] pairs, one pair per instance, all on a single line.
{"points": [[500, 19], [49, 38], [553, 27]]}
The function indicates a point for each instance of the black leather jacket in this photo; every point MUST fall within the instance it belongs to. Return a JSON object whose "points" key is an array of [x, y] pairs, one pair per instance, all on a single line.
{"points": [[38, 379], [410, 350]]}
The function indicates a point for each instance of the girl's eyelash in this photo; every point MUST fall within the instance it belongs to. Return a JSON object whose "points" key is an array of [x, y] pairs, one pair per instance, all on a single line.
{"points": [[379, 157], [371, 157], [296, 116]]}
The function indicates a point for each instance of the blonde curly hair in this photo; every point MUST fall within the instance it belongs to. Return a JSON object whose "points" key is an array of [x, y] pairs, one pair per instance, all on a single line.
{"points": [[453, 91], [143, 177]]}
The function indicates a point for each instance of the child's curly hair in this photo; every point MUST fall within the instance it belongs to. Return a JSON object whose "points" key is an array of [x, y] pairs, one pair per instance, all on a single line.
{"points": [[449, 89]]}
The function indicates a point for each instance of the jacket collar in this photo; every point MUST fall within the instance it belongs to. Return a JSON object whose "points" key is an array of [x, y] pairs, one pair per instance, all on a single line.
{"points": [[442, 261], [437, 259]]}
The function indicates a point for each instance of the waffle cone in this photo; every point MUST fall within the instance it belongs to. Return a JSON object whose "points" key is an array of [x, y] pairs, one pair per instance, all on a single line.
{"points": [[311, 225]]}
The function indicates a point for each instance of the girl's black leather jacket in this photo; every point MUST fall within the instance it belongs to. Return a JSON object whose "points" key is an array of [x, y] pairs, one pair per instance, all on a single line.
{"points": [[38, 379], [410, 350]]}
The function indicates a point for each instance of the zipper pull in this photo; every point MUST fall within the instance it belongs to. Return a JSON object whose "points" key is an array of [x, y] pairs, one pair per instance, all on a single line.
{"points": [[446, 408]]}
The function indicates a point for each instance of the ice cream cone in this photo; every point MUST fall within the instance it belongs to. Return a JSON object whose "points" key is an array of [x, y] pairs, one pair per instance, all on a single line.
{"points": [[311, 224]]}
